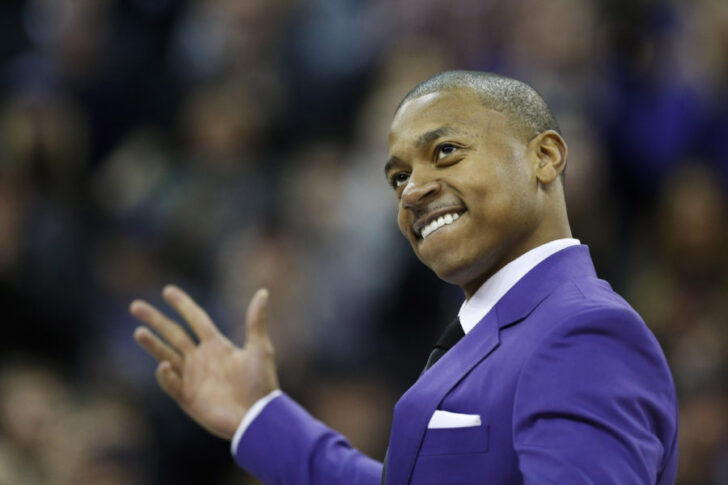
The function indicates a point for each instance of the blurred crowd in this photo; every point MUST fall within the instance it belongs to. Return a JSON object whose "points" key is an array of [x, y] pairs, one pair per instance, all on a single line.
{"points": [[225, 145]]}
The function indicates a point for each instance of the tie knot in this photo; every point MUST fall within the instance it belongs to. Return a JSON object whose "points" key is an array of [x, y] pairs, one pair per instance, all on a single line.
{"points": [[452, 335]]}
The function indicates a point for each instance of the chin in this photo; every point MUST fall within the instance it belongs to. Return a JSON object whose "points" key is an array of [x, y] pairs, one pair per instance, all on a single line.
{"points": [[461, 271], [453, 272], [455, 277]]}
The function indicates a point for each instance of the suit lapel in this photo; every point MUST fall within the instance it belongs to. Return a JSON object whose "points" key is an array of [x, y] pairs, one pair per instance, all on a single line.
{"points": [[568, 264], [414, 410]]}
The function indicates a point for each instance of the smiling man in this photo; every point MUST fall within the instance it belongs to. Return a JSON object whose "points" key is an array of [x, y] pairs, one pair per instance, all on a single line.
{"points": [[502, 201], [547, 375]]}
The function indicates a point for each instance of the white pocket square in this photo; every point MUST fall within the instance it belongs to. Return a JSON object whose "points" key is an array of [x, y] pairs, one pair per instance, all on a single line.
{"points": [[445, 419]]}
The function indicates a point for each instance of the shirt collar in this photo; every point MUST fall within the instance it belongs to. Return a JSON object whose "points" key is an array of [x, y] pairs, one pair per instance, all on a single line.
{"points": [[484, 299]]}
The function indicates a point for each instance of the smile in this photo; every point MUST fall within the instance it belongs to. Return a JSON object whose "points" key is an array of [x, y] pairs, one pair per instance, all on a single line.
{"points": [[438, 223]]}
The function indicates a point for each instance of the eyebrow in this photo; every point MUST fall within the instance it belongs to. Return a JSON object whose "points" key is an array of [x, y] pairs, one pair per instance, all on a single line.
{"points": [[391, 163], [430, 136], [422, 140]]}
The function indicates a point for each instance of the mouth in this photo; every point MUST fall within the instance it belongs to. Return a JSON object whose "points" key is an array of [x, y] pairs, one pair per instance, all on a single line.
{"points": [[424, 227]]}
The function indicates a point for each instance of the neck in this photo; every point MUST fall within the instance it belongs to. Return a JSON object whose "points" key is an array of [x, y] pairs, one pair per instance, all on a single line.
{"points": [[471, 287]]}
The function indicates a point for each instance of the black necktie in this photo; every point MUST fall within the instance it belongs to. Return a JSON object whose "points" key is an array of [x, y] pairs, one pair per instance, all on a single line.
{"points": [[452, 334]]}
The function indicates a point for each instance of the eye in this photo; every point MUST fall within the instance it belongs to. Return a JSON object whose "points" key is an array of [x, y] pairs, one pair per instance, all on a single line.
{"points": [[445, 149], [398, 179]]}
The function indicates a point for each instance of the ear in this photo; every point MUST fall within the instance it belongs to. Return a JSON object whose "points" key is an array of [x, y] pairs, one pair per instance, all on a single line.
{"points": [[549, 152]]}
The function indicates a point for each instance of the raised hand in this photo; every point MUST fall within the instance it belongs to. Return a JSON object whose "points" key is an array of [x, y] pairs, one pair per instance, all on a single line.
{"points": [[213, 381]]}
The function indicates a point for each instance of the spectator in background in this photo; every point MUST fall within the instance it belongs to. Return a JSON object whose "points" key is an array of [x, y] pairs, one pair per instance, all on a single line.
{"points": [[33, 399], [56, 435], [681, 288]]}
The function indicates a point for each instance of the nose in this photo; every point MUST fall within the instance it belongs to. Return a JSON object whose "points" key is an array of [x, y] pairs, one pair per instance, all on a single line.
{"points": [[415, 193]]}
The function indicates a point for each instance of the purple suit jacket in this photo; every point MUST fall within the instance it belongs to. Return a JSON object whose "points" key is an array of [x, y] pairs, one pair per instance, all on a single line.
{"points": [[570, 385]]}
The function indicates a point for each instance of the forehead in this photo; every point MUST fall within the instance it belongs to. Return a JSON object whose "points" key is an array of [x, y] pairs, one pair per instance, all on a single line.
{"points": [[460, 109]]}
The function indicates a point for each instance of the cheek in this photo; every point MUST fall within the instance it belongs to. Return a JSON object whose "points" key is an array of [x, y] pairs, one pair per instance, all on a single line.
{"points": [[503, 189], [402, 223]]}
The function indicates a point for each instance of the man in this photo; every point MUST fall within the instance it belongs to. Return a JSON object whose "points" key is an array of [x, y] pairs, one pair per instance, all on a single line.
{"points": [[548, 376]]}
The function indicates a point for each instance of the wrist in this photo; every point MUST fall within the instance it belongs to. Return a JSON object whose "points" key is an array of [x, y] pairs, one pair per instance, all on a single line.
{"points": [[251, 414]]}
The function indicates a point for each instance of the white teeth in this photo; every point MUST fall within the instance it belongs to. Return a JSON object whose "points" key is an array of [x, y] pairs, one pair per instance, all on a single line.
{"points": [[438, 223]]}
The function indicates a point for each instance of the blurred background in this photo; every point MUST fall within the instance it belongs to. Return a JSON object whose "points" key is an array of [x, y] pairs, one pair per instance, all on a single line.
{"points": [[226, 145]]}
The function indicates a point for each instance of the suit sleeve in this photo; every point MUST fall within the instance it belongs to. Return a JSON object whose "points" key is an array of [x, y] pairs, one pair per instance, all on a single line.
{"points": [[285, 445], [595, 404]]}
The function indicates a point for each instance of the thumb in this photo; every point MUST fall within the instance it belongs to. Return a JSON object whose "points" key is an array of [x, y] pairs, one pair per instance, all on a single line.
{"points": [[256, 319]]}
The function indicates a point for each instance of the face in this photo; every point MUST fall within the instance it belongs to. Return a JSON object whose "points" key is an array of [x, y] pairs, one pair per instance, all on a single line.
{"points": [[465, 180]]}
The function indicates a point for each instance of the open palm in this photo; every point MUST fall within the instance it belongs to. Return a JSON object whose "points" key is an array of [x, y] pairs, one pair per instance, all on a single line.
{"points": [[214, 381]]}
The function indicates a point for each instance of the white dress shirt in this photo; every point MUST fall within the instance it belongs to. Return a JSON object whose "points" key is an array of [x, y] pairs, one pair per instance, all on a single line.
{"points": [[474, 309], [471, 312]]}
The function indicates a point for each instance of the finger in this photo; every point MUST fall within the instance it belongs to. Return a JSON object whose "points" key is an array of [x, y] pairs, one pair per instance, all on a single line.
{"points": [[256, 320], [169, 330], [169, 380], [197, 318], [158, 349]]}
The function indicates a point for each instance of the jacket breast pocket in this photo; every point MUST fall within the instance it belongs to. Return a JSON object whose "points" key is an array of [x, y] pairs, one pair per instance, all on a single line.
{"points": [[456, 441], [453, 456]]}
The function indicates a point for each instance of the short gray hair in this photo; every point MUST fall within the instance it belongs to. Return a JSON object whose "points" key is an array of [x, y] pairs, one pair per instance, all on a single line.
{"points": [[515, 99]]}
